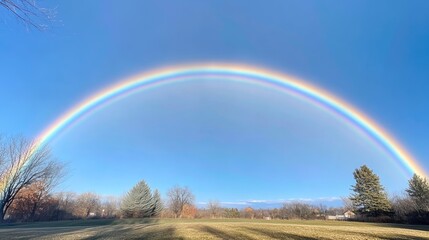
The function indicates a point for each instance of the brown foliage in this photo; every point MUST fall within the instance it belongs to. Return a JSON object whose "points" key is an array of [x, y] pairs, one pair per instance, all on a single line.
{"points": [[189, 211], [33, 203], [249, 213]]}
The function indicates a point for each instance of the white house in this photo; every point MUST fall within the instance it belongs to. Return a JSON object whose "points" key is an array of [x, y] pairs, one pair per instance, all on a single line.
{"points": [[347, 215]]}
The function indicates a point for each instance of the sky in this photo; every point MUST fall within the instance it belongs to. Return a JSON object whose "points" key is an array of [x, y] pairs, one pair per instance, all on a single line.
{"points": [[237, 143]]}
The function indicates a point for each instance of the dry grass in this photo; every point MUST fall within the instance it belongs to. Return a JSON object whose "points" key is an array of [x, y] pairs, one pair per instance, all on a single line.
{"points": [[211, 229]]}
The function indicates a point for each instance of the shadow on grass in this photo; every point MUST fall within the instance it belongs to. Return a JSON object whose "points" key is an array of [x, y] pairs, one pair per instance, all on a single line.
{"points": [[404, 226], [398, 237], [139, 232], [79, 223], [65, 223], [384, 236], [221, 234], [82, 229], [278, 234]]}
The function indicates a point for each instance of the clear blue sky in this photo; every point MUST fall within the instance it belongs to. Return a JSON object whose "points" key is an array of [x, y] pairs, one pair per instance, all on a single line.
{"points": [[226, 141]]}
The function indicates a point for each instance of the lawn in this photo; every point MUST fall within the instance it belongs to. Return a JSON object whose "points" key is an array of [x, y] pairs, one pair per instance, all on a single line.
{"points": [[210, 229]]}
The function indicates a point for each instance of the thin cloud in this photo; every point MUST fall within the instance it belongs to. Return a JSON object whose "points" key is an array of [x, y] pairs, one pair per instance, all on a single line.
{"points": [[251, 202]]}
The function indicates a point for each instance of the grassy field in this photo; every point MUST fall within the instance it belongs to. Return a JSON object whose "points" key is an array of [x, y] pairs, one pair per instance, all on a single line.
{"points": [[210, 229]]}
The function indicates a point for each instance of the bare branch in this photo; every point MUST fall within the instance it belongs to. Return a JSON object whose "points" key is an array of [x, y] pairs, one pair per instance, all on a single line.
{"points": [[29, 12], [22, 165]]}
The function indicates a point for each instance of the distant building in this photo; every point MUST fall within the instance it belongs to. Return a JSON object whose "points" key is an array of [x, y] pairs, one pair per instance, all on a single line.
{"points": [[349, 214], [345, 216]]}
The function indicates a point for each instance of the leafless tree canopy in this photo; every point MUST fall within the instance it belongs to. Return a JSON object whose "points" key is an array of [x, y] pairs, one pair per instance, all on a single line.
{"points": [[21, 165], [29, 12], [347, 203], [88, 202], [214, 208], [70, 205], [66, 205], [110, 207], [178, 197]]}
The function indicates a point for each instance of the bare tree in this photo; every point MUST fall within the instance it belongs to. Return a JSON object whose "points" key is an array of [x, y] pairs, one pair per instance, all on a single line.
{"points": [[297, 210], [347, 203], [66, 205], [22, 163], [404, 208], [46, 185], [214, 208], [178, 197], [110, 207], [87, 203], [29, 12]]}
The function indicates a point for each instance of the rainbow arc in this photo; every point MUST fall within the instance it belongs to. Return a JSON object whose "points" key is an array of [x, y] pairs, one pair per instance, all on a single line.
{"points": [[242, 73]]}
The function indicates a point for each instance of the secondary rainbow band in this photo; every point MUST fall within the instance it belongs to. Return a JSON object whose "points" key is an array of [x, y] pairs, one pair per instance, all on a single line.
{"points": [[177, 73]]}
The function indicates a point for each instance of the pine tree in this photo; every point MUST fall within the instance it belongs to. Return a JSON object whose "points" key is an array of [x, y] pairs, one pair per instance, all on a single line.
{"points": [[138, 202], [157, 203], [369, 197], [418, 191]]}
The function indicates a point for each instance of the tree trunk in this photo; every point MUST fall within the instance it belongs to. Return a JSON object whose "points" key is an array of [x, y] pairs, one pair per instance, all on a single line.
{"points": [[2, 211], [33, 211]]}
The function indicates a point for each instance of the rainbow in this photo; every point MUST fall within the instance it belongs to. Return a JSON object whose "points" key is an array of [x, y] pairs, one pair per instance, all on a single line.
{"points": [[242, 73]]}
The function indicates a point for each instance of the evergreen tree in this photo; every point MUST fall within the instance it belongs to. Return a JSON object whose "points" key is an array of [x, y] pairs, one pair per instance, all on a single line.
{"points": [[157, 203], [418, 191], [138, 202], [369, 197]]}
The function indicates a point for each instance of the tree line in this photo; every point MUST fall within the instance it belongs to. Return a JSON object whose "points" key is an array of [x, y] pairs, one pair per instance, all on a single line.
{"points": [[369, 199], [28, 195]]}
